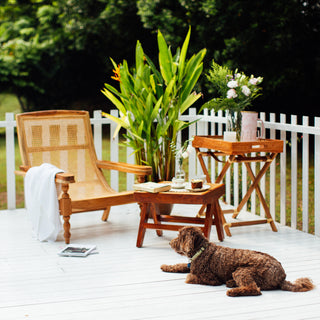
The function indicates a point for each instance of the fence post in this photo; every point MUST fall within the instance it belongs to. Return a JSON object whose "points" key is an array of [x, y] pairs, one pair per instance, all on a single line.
{"points": [[97, 134], [305, 177], [114, 151], [263, 179], [272, 201], [283, 169], [317, 180], [294, 171], [10, 162], [192, 131]]}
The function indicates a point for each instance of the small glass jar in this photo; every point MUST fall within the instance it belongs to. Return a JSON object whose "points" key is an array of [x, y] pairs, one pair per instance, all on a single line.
{"points": [[180, 176]]}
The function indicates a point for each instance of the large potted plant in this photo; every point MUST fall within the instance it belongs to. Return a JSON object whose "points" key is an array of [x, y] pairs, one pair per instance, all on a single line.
{"points": [[151, 100]]}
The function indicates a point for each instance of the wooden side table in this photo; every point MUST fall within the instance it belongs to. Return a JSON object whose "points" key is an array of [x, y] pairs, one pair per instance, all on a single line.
{"points": [[240, 152], [149, 206]]}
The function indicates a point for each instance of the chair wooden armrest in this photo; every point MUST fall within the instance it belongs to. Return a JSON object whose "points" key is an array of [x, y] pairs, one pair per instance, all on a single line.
{"points": [[125, 167], [62, 177]]}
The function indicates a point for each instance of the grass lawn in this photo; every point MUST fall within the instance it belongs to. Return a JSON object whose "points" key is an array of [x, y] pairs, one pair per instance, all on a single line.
{"points": [[8, 103]]}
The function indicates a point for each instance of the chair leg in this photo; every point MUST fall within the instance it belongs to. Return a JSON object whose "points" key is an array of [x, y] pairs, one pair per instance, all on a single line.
{"points": [[105, 214], [66, 211], [143, 220], [66, 227]]}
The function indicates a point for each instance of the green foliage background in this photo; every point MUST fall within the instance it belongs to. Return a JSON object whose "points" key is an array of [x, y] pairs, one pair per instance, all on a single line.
{"points": [[55, 53]]}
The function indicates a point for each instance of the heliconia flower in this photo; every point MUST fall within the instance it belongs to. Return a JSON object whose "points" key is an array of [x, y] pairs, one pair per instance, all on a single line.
{"points": [[245, 90], [116, 73], [232, 84], [231, 94]]}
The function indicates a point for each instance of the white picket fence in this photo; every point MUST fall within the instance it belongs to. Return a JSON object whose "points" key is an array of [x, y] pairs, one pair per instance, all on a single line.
{"points": [[302, 148]]}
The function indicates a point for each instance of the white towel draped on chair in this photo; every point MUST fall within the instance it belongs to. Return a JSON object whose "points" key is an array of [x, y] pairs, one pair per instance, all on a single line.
{"points": [[42, 201]]}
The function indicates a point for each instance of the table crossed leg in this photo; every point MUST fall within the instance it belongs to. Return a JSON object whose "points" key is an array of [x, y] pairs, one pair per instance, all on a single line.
{"points": [[254, 186]]}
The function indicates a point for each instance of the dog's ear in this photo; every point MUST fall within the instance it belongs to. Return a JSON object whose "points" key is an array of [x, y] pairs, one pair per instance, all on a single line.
{"points": [[192, 239], [188, 246], [198, 238]]}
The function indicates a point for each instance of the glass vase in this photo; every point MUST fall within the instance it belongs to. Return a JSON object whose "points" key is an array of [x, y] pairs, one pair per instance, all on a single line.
{"points": [[178, 181], [180, 174], [234, 123]]}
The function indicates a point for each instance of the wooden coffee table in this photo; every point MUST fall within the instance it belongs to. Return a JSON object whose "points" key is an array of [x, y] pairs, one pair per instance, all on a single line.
{"points": [[149, 203]]}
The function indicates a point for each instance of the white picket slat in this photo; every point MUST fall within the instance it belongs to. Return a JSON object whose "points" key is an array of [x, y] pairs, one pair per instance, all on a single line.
{"points": [[263, 179], [272, 204], [10, 162], [192, 157], [283, 169], [317, 180], [305, 178], [114, 152], [294, 170], [97, 134]]}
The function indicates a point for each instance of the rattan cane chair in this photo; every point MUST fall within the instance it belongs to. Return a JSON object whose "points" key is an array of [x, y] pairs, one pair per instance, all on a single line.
{"points": [[64, 139]]}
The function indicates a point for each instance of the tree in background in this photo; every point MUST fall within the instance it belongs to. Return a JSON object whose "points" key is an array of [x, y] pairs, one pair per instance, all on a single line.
{"points": [[278, 40], [54, 53]]}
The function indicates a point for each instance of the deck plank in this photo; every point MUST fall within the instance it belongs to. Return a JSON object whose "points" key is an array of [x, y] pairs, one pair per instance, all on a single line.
{"points": [[125, 282]]}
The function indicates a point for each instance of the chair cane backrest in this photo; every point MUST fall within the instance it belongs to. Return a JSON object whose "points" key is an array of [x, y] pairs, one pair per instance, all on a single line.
{"points": [[62, 138]]}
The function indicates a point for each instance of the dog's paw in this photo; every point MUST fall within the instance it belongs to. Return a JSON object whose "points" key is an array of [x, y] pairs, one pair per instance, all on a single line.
{"points": [[243, 291], [179, 268], [231, 284], [191, 278], [165, 268]]}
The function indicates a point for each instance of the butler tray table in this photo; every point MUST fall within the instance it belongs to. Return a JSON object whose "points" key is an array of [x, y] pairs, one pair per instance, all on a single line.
{"points": [[240, 152]]}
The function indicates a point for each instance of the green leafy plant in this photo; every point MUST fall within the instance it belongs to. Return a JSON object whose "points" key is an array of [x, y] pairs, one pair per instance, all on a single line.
{"points": [[235, 90], [151, 101]]}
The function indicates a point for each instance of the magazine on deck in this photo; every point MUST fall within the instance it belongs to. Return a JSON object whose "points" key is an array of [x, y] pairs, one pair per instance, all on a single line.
{"points": [[152, 187], [77, 250]]}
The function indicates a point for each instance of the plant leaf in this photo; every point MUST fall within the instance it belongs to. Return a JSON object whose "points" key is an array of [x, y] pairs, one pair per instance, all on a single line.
{"points": [[165, 58], [191, 82], [114, 100], [190, 100], [183, 55]]}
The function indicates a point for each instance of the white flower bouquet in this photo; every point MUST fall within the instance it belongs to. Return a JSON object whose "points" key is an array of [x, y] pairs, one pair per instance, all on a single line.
{"points": [[235, 90]]}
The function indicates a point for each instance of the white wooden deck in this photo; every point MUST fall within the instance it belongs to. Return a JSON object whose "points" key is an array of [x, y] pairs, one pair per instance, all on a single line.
{"points": [[124, 282]]}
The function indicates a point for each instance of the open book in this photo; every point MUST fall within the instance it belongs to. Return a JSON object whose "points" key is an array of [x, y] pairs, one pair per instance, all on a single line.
{"points": [[152, 187]]}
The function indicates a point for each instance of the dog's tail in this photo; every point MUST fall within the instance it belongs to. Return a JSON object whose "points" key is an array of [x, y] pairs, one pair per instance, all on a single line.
{"points": [[300, 285]]}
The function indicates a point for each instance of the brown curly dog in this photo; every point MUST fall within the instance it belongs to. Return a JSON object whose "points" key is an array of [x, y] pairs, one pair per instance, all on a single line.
{"points": [[245, 271]]}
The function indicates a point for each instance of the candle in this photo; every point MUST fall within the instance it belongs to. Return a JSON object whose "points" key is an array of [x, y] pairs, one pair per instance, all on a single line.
{"points": [[230, 136], [177, 183]]}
